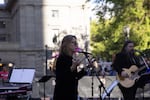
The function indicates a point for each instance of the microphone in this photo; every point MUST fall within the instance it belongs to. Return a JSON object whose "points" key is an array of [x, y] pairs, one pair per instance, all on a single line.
{"points": [[55, 56], [79, 50], [140, 52]]}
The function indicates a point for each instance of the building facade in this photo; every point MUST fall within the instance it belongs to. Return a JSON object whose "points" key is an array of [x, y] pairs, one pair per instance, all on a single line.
{"points": [[28, 27]]}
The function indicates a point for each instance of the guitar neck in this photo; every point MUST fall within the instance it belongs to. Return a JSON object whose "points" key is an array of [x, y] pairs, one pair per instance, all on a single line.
{"points": [[140, 69]]}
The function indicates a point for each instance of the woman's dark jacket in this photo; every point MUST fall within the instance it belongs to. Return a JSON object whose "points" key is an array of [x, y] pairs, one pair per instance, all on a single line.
{"points": [[66, 80]]}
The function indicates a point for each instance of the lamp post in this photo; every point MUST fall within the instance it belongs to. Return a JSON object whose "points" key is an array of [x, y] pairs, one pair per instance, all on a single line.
{"points": [[126, 31]]}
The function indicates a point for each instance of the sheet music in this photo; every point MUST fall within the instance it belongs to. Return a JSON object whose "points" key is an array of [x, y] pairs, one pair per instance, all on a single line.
{"points": [[22, 76]]}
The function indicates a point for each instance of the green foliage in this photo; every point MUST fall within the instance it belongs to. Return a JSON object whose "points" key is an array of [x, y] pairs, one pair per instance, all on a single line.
{"points": [[107, 35]]}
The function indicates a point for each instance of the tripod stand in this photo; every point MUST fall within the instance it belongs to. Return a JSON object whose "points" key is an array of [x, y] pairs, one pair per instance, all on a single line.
{"points": [[101, 86]]}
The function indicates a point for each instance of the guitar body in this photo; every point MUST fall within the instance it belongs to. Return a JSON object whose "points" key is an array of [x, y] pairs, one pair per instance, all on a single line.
{"points": [[128, 81]]}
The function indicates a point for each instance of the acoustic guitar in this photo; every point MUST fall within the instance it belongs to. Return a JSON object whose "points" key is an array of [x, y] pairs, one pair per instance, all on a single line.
{"points": [[133, 76]]}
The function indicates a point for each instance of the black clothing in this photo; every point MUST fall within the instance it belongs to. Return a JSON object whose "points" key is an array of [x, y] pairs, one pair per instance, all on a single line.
{"points": [[66, 80], [124, 60]]}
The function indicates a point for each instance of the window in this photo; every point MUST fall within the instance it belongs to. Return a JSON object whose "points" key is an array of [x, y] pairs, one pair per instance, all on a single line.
{"points": [[4, 37], [55, 13], [2, 24], [55, 35]]}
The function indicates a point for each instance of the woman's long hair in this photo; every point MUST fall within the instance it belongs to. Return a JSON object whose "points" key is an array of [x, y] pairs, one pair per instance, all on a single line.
{"points": [[64, 44]]}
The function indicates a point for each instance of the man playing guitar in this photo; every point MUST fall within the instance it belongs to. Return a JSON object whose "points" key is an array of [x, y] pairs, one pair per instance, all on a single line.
{"points": [[128, 66]]}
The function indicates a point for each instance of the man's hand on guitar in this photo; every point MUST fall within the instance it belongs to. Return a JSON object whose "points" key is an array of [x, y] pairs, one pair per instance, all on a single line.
{"points": [[129, 76]]}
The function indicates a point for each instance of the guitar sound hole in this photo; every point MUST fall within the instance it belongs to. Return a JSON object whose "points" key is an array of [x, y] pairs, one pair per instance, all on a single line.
{"points": [[132, 73]]}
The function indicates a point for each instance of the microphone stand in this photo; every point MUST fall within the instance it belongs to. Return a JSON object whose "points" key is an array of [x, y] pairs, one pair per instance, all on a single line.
{"points": [[101, 83], [142, 56], [102, 86], [92, 71], [46, 77], [46, 58], [148, 69]]}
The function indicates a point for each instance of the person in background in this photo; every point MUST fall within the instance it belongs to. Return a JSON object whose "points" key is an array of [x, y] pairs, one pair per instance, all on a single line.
{"points": [[125, 63], [4, 73], [66, 72]]}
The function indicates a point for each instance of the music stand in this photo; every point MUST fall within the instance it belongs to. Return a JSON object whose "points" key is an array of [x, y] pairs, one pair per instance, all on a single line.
{"points": [[43, 80], [20, 76]]}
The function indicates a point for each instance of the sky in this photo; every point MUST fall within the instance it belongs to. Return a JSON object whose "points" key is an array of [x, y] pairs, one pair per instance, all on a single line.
{"points": [[1, 1]]}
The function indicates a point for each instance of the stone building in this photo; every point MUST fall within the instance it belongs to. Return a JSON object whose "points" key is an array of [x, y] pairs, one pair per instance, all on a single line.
{"points": [[27, 27]]}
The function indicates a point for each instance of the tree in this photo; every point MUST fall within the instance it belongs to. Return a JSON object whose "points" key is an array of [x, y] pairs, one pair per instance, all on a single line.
{"points": [[107, 34]]}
